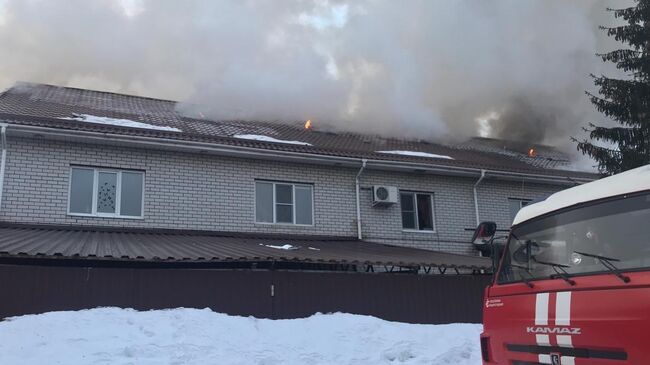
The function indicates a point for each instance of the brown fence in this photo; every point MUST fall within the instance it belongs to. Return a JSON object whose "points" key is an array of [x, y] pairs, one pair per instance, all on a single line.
{"points": [[26, 289]]}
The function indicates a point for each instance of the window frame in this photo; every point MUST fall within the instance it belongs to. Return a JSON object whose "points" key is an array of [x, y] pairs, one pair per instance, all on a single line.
{"points": [[414, 194], [118, 192], [293, 204], [520, 201]]}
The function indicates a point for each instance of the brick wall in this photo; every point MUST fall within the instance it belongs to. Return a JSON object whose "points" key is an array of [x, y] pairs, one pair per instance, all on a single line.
{"points": [[208, 192], [453, 208]]}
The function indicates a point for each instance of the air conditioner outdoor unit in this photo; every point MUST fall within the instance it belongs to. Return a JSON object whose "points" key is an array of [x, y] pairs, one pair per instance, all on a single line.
{"points": [[384, 195]]}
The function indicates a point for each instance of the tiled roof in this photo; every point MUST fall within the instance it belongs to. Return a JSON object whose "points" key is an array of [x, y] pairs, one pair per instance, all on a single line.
{"points": [[168, 246], [46, 105], [536, 155]]}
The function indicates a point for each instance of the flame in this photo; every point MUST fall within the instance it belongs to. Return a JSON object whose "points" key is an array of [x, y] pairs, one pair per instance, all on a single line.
{"points": [[532, 153], [308, 124]]}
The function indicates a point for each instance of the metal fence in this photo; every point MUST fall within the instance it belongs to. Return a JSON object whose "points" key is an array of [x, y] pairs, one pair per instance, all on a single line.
{"points": [[28, 289]]}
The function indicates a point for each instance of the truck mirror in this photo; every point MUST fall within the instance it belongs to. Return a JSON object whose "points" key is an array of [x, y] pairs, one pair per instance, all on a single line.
{"points": [[484, 233]]}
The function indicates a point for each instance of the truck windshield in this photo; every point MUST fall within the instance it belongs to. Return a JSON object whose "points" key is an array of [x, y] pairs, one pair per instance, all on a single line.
{"points": [[575, 241]]}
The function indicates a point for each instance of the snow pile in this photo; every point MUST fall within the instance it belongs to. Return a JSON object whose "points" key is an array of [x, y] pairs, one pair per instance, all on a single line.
{"points": [[192, 336], [417, 154], [119, 122], [261, 138]]}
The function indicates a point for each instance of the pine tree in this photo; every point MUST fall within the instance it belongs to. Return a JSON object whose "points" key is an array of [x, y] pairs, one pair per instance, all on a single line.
{"points": [[625, 101]]}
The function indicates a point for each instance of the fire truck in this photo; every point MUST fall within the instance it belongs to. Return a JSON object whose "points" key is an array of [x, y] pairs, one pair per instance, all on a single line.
{"points": [[573, 282]]}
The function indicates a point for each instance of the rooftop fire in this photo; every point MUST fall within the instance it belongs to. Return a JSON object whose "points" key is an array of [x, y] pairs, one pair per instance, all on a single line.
{"points": [[308, 124]]}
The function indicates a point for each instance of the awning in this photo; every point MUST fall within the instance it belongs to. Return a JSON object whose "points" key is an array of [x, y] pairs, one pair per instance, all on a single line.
{"points": [[200, 247]]}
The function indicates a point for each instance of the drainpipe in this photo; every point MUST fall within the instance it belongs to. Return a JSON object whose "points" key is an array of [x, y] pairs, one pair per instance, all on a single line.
{"points": [[478, 220], [363, 166], [3, 158]]}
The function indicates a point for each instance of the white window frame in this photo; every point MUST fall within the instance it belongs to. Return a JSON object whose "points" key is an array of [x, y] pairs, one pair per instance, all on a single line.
{"points": [[118, 192], [521, 202], [293, 199], [415, 207]]}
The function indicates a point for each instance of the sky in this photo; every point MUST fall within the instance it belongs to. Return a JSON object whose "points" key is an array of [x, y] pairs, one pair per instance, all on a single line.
{"points": [[430, 69]]}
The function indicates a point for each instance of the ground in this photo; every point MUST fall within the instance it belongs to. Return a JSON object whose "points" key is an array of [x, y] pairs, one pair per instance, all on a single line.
{"points": [[193, 336]]}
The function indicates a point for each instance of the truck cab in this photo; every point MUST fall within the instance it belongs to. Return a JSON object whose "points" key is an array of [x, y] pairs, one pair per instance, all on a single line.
{"points": [[573, 282]]}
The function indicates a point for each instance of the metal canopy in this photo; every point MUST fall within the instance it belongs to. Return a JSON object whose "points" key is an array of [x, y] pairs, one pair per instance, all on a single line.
{"points": [[200, 247]]}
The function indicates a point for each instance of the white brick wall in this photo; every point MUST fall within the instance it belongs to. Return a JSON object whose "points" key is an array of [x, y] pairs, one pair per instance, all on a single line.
{"points": [[206, 192]]}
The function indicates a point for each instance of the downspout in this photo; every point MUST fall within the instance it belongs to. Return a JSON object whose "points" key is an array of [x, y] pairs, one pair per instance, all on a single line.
{"points": [[3, 158], [363, 166], [478, 220]]}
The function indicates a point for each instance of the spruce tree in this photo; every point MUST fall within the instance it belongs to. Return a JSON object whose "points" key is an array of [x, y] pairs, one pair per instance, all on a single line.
{"points": [[626, 101]]}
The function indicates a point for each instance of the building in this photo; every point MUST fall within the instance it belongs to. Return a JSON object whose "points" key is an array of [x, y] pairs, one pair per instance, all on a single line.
{"points": [[184, 173], [97, 179]]}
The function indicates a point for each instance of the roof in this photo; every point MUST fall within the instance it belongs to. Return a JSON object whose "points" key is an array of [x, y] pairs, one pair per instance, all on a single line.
{"points": [[80, 110], [169, 246], [533, 154], [631, 181]]}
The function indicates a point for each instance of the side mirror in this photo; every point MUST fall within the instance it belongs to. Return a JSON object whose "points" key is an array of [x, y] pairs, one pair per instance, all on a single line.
{"points": [[484, 233]]}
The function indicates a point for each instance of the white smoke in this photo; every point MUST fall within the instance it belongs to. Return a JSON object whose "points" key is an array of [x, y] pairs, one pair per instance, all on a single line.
{"points": [[419, 68]]}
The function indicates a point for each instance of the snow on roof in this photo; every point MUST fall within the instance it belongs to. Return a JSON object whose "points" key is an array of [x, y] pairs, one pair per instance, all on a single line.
{"points": [[283, 247], [119, 122], [627, 182], [257, 137], [417, 154]]}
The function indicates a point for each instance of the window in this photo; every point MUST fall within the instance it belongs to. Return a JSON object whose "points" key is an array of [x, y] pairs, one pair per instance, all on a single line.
{"points": [[106, 193], [417, 211], [283, 203], [515, 205]]}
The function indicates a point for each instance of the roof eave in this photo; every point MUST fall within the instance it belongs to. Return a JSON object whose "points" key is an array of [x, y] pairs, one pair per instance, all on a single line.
{"points": [[29, 131]]}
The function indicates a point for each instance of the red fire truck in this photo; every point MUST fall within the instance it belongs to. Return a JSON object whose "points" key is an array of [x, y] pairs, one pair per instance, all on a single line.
{"points": [[573, 282]]}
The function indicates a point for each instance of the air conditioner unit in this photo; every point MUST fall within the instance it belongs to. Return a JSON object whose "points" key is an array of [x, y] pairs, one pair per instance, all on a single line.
{"points": [[384, 195]]}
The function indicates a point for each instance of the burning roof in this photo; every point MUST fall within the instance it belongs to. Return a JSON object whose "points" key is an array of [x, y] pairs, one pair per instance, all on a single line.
{"points": [[51, 106], [536, 155]]}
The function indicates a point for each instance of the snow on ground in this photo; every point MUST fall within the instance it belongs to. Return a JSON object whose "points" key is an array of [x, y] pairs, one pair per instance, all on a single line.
{"points": [[257, 137], [417, 154], [193, 336], [119, 122]]}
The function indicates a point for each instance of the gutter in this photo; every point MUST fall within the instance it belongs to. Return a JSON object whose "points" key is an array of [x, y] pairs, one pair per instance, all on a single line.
{"points": [[363, 166], [251, 152], [3, 158], [478, 220]]}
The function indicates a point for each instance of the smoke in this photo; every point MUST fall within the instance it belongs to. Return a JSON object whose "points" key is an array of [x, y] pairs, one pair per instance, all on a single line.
{"points": [[428, 69]]}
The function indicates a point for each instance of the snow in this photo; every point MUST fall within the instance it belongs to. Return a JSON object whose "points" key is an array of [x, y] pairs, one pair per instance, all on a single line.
{"points": [[283, 247], [627, 182], [417, 154], [258, 137], [119, 122], [195, 336]]}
